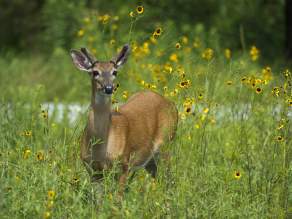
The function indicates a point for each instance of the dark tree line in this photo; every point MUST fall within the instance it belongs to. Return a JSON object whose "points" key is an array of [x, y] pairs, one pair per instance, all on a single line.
{"points": [[45, 24]]}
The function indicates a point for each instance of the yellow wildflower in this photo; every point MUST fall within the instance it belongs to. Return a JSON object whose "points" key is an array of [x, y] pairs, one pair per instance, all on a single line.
{"points": [[280, 138], [132, 14], [50, 204], [200, 96], [206, 110], [229, 82], [254, 53], [208, 54], [44, 114], [237, 175], [125, 94], [227, 53], [80, 33], [177, 46], [173, 57], [158, 31], [185, 84], [267, 73], [140, 9], [86, 20], [28, 133], [112, 41], [47, 214], [51, 194], [276, 91], [40, 156], [197, 43], [26, 153], [185, 40], [258, 90]]}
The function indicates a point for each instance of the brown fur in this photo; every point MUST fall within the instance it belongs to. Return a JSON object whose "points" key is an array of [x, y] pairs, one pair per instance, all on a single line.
{"points": [[133, 135]]}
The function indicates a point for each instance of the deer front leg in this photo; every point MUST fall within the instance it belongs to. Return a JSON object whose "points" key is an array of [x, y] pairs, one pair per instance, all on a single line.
{"points": [[124, 176]]}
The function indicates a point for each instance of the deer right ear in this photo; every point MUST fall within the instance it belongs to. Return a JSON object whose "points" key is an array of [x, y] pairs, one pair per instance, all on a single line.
{"points": [[82, 61]]}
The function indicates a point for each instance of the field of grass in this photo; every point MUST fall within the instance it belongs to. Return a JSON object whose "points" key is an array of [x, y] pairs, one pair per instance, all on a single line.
{"points": [[231, 157]]}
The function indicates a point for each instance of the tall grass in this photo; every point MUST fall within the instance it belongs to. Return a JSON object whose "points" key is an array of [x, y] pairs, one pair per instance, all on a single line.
{"points": [[231, 156]]}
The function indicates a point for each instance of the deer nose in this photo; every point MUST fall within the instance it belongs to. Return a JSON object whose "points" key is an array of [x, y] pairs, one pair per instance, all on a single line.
{"points": [[108, 89]]}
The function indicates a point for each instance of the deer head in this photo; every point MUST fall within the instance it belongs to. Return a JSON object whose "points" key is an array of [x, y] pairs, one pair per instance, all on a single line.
{"points": [[102, 73]]}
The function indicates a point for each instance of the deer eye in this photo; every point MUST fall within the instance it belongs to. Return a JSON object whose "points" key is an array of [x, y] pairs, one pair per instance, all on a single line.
{"points": [[115, 73], [95, 73]]}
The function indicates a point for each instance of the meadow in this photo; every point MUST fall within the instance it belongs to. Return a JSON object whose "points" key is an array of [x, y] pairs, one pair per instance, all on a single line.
{"points": [[231, 157]]}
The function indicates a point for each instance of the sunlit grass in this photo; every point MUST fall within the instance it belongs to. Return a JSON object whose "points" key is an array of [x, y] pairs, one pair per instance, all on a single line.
{"points": [[232, 152]]}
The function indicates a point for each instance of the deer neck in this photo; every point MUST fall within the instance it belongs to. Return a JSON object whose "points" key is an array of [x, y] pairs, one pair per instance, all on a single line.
{"points": [[101, 106]]}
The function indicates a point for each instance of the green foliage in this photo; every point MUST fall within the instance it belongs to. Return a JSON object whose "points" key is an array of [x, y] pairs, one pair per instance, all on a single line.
{"points": [[60, 20], [231, 157], [45, 25]]}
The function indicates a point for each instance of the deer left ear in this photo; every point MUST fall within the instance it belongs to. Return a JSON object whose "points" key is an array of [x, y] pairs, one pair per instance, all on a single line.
{"points": [[122, 57]]}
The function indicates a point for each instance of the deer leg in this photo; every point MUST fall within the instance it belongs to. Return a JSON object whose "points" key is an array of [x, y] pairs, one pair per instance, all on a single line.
{"points": [[151, 166], [124, 176]]}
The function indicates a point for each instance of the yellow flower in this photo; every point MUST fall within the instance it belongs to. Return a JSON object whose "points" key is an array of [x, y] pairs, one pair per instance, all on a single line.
{"points": [[213, 120], [50, 204], [244, 79], [267, 73], [28, 133], [200, 96], [47, 214], [80, 33], [185, 40], [183, 116], [112, 41], [167, 67], [44, 114], [173, 57], [132, 14], [280, 138], [177, 46], [188, 109], [289, 102], [208, 54], [258, 90], [237, 175], [75, 180], [86, 20], [104, 18], [254, 53], [276, 91], [51, 194], [280, 126], [140, 9], [206, 110], [229, 82], [185, 84], [287, 73], [158, 31], [40, 156], [114, 27], [197, 43], [227, 53], [125, 94], [26, 153]]}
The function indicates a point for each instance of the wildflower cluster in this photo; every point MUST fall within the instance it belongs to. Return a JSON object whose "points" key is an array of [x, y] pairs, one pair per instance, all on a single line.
{"points": [[51, 195]]}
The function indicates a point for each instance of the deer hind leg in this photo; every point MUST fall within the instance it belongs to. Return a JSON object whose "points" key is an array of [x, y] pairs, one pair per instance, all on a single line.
{"points": [[151, 166]]}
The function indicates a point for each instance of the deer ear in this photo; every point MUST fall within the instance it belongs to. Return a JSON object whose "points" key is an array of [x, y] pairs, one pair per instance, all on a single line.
{"points": [[81, 60], [122, 57]]}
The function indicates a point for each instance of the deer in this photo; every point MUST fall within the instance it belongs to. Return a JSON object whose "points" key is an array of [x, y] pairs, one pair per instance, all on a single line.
{"points": [[134, 134]]}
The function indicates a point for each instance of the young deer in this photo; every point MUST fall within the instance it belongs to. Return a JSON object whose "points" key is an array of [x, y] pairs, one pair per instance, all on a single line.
{"points": [[134, 134]]}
